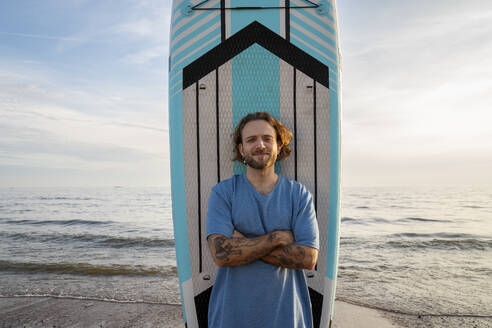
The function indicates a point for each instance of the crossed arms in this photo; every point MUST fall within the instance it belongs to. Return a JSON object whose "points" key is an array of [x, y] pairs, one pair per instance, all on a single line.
{"points": [[277, 248]]}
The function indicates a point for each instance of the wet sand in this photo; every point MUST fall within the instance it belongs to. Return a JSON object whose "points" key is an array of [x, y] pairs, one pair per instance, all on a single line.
{"points": [[68, 312], [64, 312]]}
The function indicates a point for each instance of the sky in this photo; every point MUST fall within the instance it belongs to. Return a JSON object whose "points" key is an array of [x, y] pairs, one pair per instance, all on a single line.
{"points": [[83, 93]]}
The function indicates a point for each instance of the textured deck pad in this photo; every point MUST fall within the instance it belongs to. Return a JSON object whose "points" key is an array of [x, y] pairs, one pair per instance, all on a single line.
{"points": [[223, 71]]}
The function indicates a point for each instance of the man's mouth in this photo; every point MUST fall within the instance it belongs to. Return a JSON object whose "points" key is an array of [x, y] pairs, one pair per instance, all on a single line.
{"points": [[261, 153]]}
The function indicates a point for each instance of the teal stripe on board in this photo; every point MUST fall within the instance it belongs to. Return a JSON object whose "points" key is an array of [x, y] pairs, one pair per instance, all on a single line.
{"points": [[175, 79], [197, 16], [195, 33], [210, 36], [311, 29], [333, 226], [255, 87], [199, 53], [178, 86], [181, 5], [242, 18], [324, 60], [310, 16], [315, 44], [178, 187], [192, 21]]}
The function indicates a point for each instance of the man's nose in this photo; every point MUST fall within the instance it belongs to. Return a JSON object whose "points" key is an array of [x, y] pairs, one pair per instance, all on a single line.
{"points": [[260, 144]]}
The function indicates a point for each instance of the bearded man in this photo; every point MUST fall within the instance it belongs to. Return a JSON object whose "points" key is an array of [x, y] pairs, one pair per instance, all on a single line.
{"points": [[262, 231]]}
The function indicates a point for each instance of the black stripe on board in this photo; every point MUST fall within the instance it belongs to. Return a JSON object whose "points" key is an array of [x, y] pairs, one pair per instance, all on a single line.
{"points": [[198, 176], [295, 123], [255, 8], [217, 121], [271, 41], [201, 306], [315, 150], [287, 20], [222, 21], [315, 156], [316, 306]]}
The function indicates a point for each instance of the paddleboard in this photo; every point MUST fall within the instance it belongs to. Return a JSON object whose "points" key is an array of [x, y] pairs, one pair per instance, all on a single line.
{"points": [[229, 58]]}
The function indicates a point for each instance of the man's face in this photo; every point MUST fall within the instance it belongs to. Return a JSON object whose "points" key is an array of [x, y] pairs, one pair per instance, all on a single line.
{"points": [[259, 144]]}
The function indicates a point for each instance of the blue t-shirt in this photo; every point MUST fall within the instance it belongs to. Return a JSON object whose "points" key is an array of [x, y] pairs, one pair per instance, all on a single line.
{"points": [[260, 294]]}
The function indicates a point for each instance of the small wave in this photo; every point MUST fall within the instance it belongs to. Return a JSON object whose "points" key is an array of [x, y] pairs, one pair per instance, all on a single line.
{"points": [[363, 207], [365, 267], [347, 219], [64, 198], [417, 219], [88, 269], [353, 221], [85, 298], [99, 240], [350, 241], [364, 220], [415, 314], [16, 211], [137, 242], [379, 220], [444, 235], [444, 244], [57, 222], [402, 207], [472, 206]]}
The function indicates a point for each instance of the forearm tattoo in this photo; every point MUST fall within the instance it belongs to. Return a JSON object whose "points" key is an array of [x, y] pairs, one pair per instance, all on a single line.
{"points": [[237, 251], [222, 249], [292, 256]]}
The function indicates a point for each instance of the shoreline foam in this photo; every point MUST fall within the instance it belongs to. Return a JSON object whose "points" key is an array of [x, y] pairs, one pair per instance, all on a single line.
{"points": [[64, 312]]}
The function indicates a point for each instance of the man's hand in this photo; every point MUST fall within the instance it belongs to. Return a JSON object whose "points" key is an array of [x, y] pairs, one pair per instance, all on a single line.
{"points": [[284, 237], [293, 256]]}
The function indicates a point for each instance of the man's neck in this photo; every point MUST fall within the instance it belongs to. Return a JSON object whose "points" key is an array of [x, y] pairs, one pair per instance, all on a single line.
{"points": [[262, 180]]}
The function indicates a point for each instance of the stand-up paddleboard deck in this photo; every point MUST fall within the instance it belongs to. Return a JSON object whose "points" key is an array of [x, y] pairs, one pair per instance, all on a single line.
{"points": [[233, 57]]}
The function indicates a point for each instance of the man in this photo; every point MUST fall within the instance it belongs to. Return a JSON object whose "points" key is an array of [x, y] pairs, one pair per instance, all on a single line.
{"points": [[261, 231]]}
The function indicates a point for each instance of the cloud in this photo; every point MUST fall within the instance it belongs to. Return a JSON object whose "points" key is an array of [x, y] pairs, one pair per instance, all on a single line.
{"points": [[148, 55], [88, 99], [125, 27], [139, 28], [37, 130], [47, 37], [416, 89]]}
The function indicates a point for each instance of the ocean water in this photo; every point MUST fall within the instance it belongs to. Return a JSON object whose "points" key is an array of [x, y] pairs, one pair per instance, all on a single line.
{"points": [[417, 250], [110, 244], [409, 250]]}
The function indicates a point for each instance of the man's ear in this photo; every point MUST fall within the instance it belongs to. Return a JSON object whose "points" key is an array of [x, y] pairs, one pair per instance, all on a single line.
{"points": [[240, 148]]}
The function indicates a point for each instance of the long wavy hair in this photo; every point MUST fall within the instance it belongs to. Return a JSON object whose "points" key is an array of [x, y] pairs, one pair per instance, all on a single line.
{"points": [[284, 136]]}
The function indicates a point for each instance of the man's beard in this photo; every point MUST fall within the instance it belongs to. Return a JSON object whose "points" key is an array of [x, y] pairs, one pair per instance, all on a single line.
{"points": [[260, 164]]}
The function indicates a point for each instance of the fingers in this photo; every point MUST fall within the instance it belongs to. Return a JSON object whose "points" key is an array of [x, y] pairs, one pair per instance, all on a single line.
{"points": [[237, 234], [284, 237]]}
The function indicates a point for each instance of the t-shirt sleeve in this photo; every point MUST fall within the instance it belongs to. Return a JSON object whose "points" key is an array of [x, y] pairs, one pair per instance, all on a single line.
{"points": [[305, 224], [219, 220]]}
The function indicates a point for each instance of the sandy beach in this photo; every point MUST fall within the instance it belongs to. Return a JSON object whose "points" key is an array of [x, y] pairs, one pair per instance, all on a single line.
{"points": [[64, 312], [68, 312]]}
